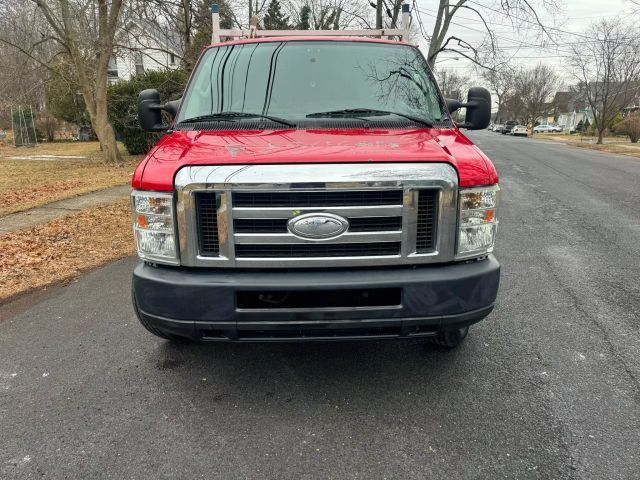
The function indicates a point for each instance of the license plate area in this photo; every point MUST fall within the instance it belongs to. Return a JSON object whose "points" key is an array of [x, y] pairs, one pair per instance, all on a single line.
{"points": [[294, 300]]}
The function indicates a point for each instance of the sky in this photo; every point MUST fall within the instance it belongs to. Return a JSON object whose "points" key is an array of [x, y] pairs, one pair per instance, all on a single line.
{"points": [[569, 23]]}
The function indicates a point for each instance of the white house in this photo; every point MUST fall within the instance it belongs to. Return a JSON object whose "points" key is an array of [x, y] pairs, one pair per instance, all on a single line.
{"points": [[143, 46]]}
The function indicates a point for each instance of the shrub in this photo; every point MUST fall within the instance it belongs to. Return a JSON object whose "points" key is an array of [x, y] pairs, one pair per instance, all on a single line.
{"points": [[123, 106], [630, 127]]}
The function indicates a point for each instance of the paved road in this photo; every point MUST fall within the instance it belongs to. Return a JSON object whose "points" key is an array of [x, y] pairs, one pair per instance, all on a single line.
{"points": [[547, 387]]}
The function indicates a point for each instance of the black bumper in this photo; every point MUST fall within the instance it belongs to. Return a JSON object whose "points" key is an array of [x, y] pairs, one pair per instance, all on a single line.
{"points": [[203, 304]]}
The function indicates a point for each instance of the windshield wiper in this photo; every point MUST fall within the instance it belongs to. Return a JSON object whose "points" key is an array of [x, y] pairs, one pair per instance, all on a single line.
{"points": [[234, 116], [368, 112]]}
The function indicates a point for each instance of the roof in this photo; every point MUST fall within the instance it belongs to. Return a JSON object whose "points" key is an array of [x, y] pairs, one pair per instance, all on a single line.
{"points": [[313, 38]]}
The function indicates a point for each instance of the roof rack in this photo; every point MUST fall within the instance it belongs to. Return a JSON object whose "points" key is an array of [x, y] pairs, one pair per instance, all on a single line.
{"points": [[218, 33]]}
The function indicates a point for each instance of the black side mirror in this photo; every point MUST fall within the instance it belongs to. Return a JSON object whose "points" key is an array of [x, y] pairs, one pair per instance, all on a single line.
{"points": [[150, 111], [478, 108]]}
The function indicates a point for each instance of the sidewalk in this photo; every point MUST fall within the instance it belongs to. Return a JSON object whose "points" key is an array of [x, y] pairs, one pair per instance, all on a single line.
{"points": [[40, 215]]}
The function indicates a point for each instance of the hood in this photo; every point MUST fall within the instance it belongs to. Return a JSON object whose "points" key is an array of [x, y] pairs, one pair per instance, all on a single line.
{"points": [[182, 148]]}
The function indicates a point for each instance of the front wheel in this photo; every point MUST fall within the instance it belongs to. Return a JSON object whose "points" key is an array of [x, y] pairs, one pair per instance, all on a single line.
{"points": [[451, 338]]}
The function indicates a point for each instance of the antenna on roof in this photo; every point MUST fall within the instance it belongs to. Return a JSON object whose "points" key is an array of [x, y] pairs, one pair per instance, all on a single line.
{"points": [[217, 33]]}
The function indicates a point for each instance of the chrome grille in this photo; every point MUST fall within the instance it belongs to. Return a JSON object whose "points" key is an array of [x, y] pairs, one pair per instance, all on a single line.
{"points": [[207, 218], [317, 199], [427, 220], [396, 213]]}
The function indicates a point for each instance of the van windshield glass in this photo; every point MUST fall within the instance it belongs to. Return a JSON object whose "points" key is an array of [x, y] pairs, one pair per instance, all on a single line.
{"points": [[309, 80]]}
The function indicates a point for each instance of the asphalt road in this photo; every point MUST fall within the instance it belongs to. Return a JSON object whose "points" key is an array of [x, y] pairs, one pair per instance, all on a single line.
{"points": [[546, 387]]}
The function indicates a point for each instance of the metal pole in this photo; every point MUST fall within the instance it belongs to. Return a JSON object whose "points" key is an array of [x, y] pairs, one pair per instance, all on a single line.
{"points": [[215, 23], [13, 128], [406, 21], [33, 126], [23, 127]]}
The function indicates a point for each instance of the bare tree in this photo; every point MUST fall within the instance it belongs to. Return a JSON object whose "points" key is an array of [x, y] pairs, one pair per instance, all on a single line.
{"points": [[22, 55], [452, 84], [630, 127], [83, 31], [499, 79], [535, 88], [332, 14], [608, 69], [519, 12]]}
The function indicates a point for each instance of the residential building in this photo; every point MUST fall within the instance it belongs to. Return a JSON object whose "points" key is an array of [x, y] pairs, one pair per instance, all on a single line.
{"points": [[143, 46]]}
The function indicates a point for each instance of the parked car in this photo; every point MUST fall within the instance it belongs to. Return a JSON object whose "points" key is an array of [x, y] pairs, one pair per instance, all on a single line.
{"points": [[253, 213], [519, 131], [547, 129], [508, 126], [498, 127]]}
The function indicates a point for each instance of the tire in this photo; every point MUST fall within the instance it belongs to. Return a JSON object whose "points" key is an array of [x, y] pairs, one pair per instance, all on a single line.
{"points": [[450, 338], [151, 329]]}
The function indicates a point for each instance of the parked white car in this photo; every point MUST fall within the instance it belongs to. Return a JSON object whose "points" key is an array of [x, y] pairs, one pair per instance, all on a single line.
{"points": [[498, 127], [519, 131], [547, 129]]}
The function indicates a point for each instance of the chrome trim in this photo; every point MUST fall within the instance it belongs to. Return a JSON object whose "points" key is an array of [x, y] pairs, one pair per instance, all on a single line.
{"points": [[409, 177], [288, 212], [289, 238]]}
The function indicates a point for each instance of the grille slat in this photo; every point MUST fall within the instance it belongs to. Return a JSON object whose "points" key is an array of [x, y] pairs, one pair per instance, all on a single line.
{"points": [[279, 225], [325, 198], [247, 250], [207, 215], [426, 225]]}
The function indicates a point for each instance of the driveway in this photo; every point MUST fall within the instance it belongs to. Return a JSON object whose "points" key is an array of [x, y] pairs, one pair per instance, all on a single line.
{"points": [[546, 387]]}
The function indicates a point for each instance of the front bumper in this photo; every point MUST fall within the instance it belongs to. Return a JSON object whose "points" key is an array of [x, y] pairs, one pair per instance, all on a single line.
{"points": [[203, 304]]}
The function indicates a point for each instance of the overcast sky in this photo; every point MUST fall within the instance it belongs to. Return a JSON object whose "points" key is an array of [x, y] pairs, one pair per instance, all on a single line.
{"points": [[575, 16]]}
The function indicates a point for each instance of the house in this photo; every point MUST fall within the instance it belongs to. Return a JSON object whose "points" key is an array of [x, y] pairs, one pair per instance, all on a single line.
{"points": [[571, 108], [142, 46]]}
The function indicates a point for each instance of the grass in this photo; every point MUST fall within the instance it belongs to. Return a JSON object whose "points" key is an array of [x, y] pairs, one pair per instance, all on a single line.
{"points": [[25, 184], [616, 145], [63, 249]]}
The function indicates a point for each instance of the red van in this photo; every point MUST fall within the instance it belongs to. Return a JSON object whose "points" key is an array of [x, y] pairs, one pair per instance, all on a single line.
{"points": [[314, 188]]}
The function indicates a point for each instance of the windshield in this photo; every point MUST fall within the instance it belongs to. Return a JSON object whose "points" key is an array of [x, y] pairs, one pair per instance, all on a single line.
{"points": [[313, 79]]}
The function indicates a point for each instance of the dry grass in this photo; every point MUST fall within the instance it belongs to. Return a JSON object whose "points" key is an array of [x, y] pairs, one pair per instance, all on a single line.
{"points": [[629, 149], [615, 145], [64, 248], [26, 184]]}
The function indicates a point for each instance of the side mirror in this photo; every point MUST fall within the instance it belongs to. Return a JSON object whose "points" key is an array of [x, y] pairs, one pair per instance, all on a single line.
{"points": [[478, 108], [150, 111]]}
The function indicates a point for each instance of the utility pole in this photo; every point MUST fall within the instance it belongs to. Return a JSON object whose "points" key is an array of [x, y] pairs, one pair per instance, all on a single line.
{"points": [[379, 14]]}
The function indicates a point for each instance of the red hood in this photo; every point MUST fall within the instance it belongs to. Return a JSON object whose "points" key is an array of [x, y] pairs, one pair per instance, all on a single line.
{"points": [[157, 170]]}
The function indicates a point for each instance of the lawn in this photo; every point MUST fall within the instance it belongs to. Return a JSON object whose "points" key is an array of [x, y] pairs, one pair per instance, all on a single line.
{"points": [[617, 145], [64, 248], [26, 184]]}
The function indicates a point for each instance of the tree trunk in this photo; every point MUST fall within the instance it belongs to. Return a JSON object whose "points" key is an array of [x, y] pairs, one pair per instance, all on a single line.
{"points": [[97, 107], [108, 144], [600, 136]]}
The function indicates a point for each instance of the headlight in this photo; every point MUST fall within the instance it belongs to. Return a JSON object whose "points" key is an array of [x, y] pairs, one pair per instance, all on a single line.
{"points": [[477, 221], [154, 227]]}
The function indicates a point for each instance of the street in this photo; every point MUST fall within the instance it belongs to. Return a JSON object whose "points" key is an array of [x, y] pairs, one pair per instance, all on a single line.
{"points": [[546, 387]]}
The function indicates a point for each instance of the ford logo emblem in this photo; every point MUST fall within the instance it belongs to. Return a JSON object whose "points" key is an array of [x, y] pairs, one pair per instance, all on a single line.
{"points": [[318, 226]]}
